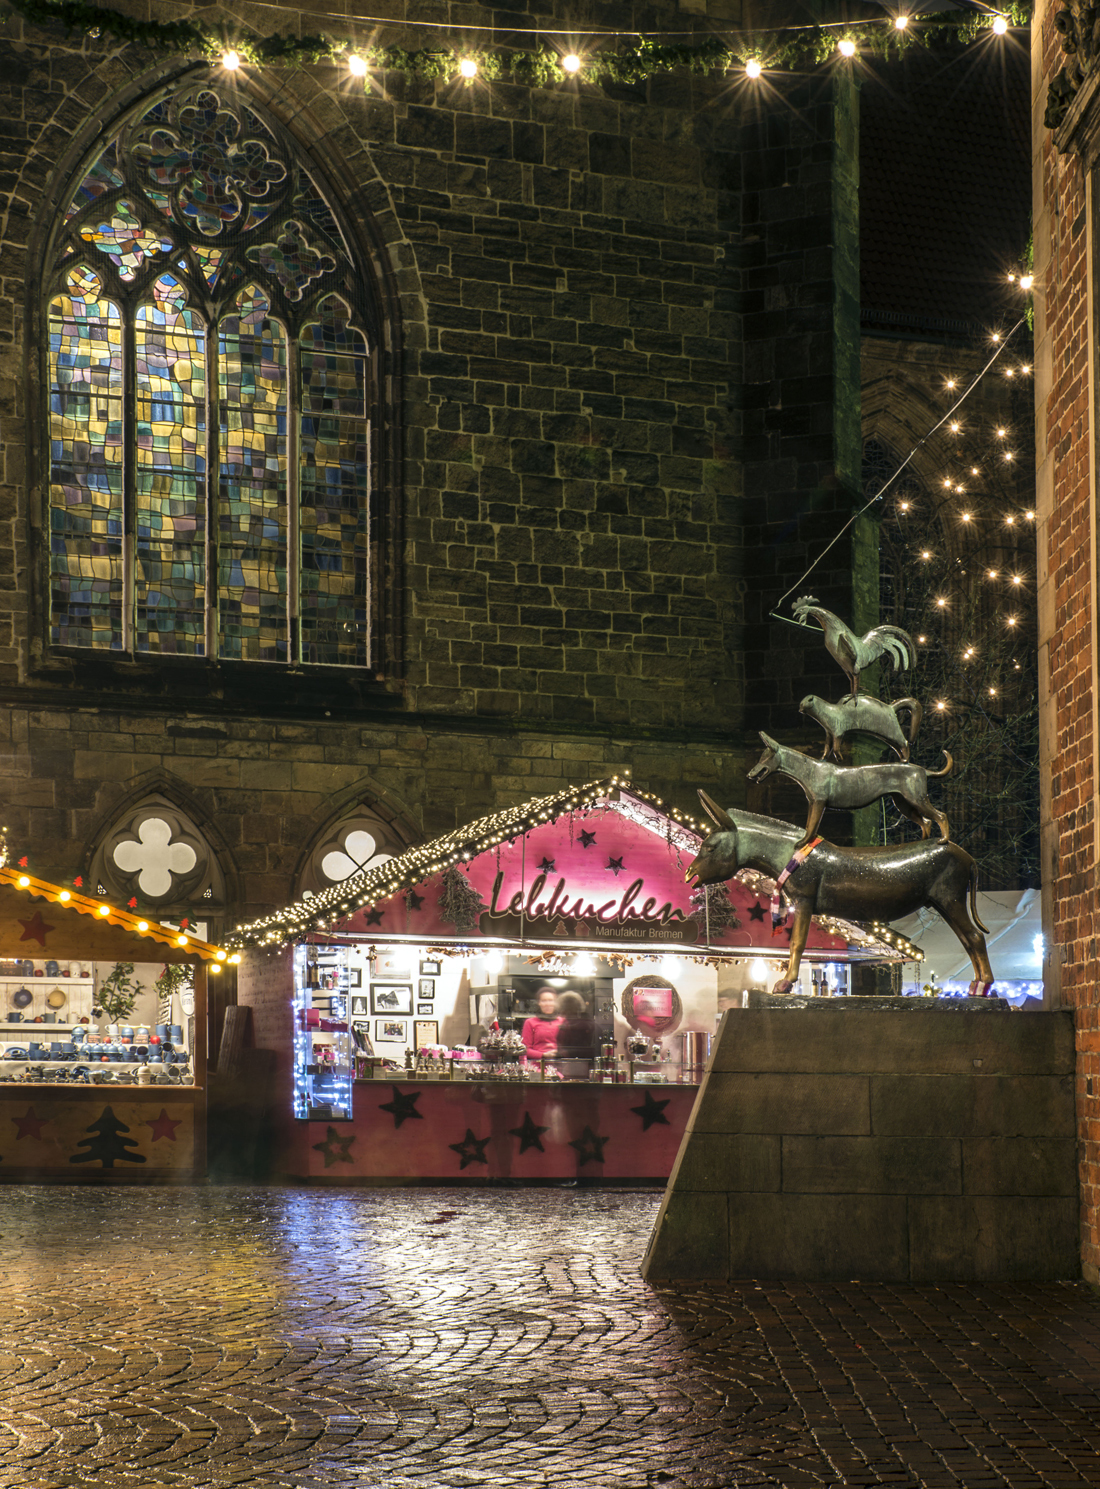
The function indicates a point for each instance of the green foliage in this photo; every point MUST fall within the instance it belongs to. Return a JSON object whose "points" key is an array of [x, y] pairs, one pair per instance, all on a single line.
{"points": [[118, 992], [536, 67]]}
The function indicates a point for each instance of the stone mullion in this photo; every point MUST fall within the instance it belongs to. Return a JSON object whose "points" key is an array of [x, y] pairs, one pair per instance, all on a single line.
{"points": [[213, 468], [129, 475], [293, 496]]}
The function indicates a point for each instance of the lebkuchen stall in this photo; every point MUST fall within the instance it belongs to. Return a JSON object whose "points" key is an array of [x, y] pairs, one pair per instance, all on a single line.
{"points": [[102, 1039], [531, 997]]}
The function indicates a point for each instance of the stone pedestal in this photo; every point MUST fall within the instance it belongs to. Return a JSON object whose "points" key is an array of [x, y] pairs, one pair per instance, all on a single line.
{"points": [[836, 1141]]}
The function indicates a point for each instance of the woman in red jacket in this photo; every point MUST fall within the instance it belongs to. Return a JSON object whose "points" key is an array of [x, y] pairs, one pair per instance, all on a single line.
{"points": [[540, 1031]]}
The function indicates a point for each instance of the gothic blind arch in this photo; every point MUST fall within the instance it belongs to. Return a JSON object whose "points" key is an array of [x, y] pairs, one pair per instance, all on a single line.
{"points": [[211, 348]]}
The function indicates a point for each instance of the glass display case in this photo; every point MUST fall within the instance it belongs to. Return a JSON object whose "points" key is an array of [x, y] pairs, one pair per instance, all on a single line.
{"points": [[322, 1042]]}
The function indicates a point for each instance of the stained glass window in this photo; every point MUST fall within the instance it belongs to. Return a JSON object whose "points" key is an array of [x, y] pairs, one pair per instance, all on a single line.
{"points": [[210, 376]]}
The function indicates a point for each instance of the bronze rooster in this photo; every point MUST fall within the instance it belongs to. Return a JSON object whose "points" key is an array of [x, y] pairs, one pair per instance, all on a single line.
{"points": [[856, 652]]}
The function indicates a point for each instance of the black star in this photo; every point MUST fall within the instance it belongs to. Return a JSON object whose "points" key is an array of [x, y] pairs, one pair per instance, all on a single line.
{"points": [[335, 1148], [756, 912], [547, 865], [471, 1149], [589, 1147], [529, 1134], [587, 838], [403, 1105], [615, 865], [651, 1111], [414, 900], [374, 917]]}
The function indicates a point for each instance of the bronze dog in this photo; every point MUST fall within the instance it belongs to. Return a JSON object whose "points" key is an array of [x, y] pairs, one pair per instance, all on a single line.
{"points": [[863, 714], [854, 786], [856, 883]]}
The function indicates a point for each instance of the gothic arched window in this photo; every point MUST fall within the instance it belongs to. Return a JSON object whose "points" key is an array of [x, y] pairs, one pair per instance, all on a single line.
{"points": [[209, 368]]}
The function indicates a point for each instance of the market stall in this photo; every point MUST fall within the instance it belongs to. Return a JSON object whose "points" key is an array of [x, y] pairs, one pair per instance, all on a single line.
{"points": [[85, 1095], [528, 998]]}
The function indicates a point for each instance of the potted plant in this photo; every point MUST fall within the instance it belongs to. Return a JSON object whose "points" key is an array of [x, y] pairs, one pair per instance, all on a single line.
{"points": [[117, 993]]}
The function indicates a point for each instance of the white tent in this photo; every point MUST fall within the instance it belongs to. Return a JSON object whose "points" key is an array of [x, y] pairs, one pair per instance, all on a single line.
{"points": [[1015, 942]]}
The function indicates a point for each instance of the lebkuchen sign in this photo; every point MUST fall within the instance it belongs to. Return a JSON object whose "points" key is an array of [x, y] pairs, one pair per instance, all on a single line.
{"points": [[612, 874]]}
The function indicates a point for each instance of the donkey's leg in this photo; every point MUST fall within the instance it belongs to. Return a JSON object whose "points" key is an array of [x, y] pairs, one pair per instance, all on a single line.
{"points": [[799, 932]]}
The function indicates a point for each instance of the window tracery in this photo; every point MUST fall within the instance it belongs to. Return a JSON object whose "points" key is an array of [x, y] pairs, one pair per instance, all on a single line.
{"points": [[210, 379]]}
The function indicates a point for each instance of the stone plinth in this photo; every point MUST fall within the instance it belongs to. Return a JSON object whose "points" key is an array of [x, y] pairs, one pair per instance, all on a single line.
{"points": [[838, 1142]]}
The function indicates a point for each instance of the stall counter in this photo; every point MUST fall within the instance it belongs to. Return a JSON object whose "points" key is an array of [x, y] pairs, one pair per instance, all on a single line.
{"points": [[424, 1131], [111, 1133]]}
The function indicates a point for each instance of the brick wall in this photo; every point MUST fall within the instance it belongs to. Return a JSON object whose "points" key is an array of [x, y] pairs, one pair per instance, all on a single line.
{"points": [[1065, 242]]}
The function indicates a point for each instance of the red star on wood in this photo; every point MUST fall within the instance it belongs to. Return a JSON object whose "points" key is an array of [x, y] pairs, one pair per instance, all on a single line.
{"points": [[30, 1125], [164, 1126], [35, 929]]}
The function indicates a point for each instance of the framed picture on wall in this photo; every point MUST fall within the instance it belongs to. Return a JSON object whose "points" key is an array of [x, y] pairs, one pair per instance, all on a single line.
{"points": [[359, 1008], [390, 1031], [355, 977], [426, 987], [426, 1031], [428, 1008], [392, 964], [391, 997], [429, 969]]}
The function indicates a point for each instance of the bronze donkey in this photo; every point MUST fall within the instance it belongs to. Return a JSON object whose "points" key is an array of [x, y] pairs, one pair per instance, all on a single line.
{"points": [[855, 883], [828, 785]]}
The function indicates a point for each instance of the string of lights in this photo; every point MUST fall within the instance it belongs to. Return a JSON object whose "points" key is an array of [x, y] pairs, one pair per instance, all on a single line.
{"points": [[459, 53]]}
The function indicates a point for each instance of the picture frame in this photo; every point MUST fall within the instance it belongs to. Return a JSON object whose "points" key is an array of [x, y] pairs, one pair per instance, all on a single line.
{"points": [[360, 1007], [428, 1008], [355, 977], [391, 1031], [425, 1031], [392, 965], [430, 969], [391, 997], [425, 988]]}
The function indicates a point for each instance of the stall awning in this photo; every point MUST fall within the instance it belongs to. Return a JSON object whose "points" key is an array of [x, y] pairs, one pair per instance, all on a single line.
{"points": [[599, 866]]}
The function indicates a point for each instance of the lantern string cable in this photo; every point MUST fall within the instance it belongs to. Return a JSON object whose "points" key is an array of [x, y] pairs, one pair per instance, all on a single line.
{"points": [[884, 488]]}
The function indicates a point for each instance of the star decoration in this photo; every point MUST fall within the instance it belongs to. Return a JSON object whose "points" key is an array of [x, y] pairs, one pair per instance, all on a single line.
{"points": [[756, 912], [615, 865], [589, 1147], [30, 1125], [587, 838], [529, 1134], [336, 1149], [651, 1112], [374, 917], [402, 1106], [547, 865], [471, 1149], [413, 900], [164, 1126], [35, 929]]}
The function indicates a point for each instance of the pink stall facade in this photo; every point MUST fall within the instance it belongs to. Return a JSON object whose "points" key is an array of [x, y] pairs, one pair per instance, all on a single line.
{"points": [[388, 999]]}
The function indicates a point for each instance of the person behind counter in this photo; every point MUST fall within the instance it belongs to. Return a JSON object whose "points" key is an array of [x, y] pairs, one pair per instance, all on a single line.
{"points": [[540, 1031], [577, 1031]]}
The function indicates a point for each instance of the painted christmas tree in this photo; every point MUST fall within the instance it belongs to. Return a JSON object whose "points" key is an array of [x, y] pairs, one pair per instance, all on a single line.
{"points": [[109, 1143]]}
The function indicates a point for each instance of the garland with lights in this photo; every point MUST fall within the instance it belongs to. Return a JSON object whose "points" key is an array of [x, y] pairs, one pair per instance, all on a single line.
{"points": [[611, 57]]}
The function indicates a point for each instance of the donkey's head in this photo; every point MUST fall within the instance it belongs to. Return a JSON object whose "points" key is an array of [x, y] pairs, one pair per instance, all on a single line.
{"points": [[769, 760], [716, 860]]}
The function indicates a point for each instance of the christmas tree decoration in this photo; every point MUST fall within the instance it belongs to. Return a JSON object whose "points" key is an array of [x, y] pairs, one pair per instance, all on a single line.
{"points": [[109, 1145]]}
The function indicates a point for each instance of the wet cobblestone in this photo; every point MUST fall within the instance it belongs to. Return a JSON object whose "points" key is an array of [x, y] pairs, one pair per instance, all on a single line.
{"points": [[303, 1339]]}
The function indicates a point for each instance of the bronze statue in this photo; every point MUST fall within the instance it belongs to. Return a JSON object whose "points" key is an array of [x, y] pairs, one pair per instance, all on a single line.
{"points": [[855, 883], [828, 785], [856, 652], [860, 713]]}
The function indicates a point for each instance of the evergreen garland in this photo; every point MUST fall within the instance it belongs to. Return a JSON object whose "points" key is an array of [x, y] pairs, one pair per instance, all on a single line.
{"points": [[460, 904], [535, 66]]}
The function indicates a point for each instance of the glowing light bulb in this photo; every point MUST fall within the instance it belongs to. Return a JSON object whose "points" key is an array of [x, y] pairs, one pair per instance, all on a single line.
{"points": [[940, 706], [753, 68], [1001, 433], [966, 516], [23, 881], [357, 66], [900, 22], [954, 427], [143, 925], [221, 956], [996, 336], [941, 602], [922, 639], [993, 692], [950, 382], [926, 554], [758, 969], [231, 61], [1011, 620], [1030, 516], [947, 483], [993, 573], [1016, 579], [1000, 26], [1011, 521], [1026, 281], [181, 940], [571, 63], [847, 48], [104, 909], [905, 506], [64, 895], [468, 67]]}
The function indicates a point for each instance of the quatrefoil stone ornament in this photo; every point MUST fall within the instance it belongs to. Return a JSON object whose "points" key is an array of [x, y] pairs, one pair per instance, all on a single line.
{"points": [[154, 857], [358, 854]]}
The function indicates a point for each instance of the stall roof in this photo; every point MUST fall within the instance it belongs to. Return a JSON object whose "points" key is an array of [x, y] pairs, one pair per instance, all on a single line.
{"points": [[80, 925], [599, 865]]}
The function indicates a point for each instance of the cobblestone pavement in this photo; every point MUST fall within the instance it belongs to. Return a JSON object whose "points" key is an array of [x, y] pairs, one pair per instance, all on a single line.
{"points": [[466, 1338]]}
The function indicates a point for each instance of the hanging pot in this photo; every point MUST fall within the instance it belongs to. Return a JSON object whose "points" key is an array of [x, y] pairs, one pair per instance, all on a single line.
{"points": [[22, 997], [58, 998]]}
